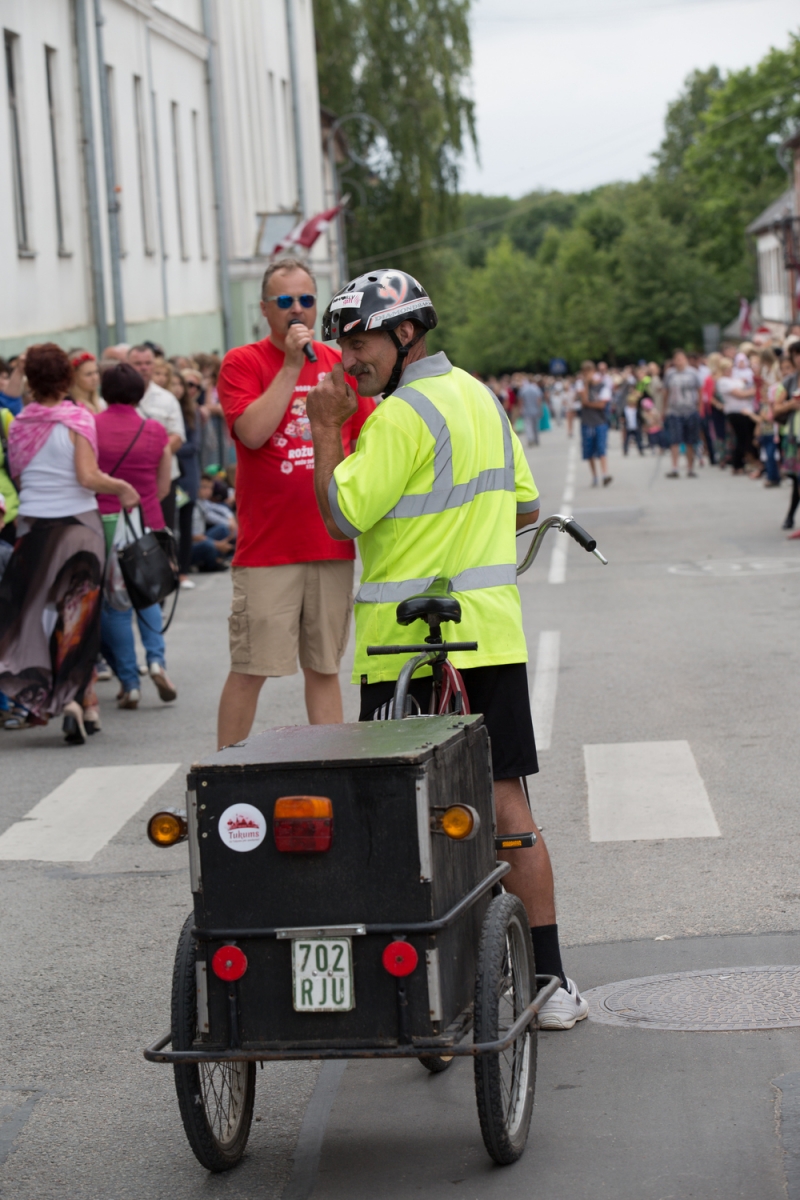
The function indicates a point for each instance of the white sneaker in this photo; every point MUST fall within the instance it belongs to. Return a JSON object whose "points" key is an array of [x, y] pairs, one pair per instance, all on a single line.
{"points": [[564, 1008], [166, 688], [188, 584]]}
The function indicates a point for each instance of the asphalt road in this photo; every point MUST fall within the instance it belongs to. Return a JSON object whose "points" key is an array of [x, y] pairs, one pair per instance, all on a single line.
{"points": [[686, 636]]}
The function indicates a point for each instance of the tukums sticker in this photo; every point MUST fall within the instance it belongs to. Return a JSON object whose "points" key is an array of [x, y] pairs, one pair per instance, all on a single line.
{"points": [[242, 827]]}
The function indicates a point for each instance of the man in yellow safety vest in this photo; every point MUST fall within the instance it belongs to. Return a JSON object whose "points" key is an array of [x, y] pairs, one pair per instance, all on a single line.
{"points": [[437, 487]]}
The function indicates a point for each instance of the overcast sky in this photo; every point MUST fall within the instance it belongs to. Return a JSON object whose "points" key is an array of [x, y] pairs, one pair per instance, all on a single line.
{"points": [[572, 93]]}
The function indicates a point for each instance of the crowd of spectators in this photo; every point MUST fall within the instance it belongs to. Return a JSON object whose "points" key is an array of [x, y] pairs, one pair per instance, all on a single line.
{"points": [[734, 408], [81, 439]]}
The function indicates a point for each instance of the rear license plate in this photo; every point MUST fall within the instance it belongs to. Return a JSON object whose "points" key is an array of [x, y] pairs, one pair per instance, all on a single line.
{"points": [[322, 974]]}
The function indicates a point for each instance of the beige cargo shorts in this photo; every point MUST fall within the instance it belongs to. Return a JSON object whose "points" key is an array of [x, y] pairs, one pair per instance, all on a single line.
{"points": [[297, 610]]}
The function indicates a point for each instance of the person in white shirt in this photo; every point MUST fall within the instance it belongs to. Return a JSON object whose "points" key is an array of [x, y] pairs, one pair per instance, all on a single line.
{"points": [[160, 405]]}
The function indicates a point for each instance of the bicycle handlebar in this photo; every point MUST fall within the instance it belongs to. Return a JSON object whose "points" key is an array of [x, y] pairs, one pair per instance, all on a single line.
{"points": [[565, 524], [422, 648], [579, 535]]}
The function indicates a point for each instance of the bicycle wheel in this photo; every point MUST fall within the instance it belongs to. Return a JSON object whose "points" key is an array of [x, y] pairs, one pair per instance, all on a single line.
{"points": [[505, 985], [436, 1063], [215, 1099]]}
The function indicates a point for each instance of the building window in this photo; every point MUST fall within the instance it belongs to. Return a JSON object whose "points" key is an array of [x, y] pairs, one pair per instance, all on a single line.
{"points": [[198, 183], [177, 162], [53, 114], [145, 187], [111, 88], [15, 120]]}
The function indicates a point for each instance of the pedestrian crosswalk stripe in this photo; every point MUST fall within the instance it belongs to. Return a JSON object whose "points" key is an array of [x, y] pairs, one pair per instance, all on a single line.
{"points": [[545, 686], [83, 813], [640, 791]]}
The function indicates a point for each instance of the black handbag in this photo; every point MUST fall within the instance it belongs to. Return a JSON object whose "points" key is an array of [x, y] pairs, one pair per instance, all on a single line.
{"points": [[149, 566]]}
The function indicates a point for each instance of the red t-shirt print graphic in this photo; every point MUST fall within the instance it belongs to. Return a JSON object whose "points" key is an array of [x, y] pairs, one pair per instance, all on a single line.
{"points": [[279, 521]]}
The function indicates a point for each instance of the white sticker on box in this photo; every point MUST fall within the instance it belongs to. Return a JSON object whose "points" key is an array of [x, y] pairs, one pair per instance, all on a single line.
{"points": [[242, 827], [348, 300]]}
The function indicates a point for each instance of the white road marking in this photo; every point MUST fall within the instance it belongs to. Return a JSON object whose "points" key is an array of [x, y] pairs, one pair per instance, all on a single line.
{"points": [[639, 791], [83, 813], [569, 481], [737, 570], [545, 686], [558, 558]]}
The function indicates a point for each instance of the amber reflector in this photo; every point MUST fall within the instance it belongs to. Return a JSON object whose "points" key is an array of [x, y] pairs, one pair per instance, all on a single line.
{"points": [[458, 822], [167, 828]]}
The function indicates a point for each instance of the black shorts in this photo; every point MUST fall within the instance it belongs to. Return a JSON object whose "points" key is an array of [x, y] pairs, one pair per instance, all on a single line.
{"points": [[500, 693]]}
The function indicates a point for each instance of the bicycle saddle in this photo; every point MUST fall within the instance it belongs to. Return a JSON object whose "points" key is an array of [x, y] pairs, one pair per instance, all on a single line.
{"points": [[435, 605]]}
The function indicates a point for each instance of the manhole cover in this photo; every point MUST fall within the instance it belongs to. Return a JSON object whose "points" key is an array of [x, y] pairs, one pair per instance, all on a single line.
{"points": [[736, 998]]}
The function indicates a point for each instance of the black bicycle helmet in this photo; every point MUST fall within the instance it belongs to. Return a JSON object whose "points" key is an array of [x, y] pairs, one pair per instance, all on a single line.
{"points": [[380, 300]]}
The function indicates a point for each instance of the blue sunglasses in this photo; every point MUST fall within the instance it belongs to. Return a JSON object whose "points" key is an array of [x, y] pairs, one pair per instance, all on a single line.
{"points": [[285, 301]]}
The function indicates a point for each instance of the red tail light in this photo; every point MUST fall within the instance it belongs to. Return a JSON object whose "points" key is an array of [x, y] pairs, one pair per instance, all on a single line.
{"points": [[303, 824], [229, 963], [399, 959]]}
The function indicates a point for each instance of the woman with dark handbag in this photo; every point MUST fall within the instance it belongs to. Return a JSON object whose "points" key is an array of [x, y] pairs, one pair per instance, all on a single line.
{"points": [[138, 449], [51, 588]]}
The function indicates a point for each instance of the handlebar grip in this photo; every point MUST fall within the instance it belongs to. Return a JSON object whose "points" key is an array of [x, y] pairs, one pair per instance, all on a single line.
{"points": [[579, 534]]}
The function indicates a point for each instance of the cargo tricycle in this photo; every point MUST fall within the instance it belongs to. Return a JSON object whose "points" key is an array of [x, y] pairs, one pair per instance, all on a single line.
{"points": [[348, 903]]}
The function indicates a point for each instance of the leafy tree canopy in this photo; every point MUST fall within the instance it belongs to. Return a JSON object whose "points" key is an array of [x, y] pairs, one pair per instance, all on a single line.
{"points": [[622, 272], [406, 64]]}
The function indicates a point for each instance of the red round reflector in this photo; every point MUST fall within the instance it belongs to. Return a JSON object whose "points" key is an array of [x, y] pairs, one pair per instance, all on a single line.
{"points": [[229, 963], [400, 958]]}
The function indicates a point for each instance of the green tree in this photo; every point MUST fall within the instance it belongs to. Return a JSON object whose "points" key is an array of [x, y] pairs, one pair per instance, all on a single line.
{"points": [[406, 65], [488, 213], [732, 167], [664, 292], [337, 54], [500, 316], [538, 212], [683, 121]]}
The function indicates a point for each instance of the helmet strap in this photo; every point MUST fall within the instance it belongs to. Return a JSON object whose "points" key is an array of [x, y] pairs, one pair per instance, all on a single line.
{"points": [[400, 361]]}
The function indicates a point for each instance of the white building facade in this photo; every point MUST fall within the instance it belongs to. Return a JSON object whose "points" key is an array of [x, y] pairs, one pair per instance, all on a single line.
{"points": [[776, 284], [151, 150]]}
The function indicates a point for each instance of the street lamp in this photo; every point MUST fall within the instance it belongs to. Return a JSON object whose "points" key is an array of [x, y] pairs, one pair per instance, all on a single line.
{"points": [[359, 161]]}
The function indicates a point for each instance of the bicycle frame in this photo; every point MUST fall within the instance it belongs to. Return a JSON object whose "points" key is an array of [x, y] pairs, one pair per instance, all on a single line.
{"points": [[434, 652]]}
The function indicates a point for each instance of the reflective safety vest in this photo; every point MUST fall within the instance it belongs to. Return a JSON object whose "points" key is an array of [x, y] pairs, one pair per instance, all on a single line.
{"points": [[433, 489]]}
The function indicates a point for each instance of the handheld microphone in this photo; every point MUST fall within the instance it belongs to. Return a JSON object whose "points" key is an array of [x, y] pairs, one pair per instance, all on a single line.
{"points": [[308, 349]]}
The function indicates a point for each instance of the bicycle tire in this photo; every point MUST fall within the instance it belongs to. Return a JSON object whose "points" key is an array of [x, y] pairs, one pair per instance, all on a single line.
{"points": [[215, 1099], [505, 984]]}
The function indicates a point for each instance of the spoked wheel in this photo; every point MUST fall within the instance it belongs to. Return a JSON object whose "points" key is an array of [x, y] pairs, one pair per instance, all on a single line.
{"points": [[215, 1099], [436, 1063], [504, 987]]}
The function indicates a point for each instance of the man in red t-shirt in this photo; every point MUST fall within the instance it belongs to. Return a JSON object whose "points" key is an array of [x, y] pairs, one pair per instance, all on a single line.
{"points": [[292, 582]]}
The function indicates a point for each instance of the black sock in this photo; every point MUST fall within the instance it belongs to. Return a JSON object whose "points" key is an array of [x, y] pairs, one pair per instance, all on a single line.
{"points": [[546, 951]]}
